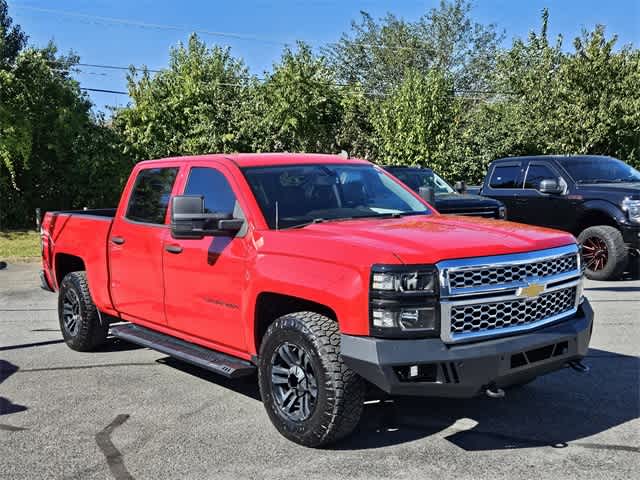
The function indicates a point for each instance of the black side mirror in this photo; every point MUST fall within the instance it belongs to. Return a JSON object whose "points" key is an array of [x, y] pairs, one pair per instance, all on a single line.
{"points": [[188, 219], [428, 194], [550, 186], [460, 187]]}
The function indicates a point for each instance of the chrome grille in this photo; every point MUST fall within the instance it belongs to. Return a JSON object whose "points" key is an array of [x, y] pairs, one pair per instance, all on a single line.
{"points": [[490, 316], [476, 277], [503, 294]]}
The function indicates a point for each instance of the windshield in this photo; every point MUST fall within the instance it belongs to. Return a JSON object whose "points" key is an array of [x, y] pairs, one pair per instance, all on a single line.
{"points": [[292, 196], [415, 179], [599, 170]]}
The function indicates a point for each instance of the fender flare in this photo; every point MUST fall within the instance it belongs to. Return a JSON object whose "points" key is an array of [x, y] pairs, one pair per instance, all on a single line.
{"points": [[603, 207]]}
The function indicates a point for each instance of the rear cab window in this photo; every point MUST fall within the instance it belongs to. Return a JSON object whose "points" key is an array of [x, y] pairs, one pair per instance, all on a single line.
{"points": [[150, 195]]}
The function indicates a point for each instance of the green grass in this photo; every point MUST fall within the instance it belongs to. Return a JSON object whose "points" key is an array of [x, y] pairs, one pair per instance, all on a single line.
{"points": [[19, 245]]}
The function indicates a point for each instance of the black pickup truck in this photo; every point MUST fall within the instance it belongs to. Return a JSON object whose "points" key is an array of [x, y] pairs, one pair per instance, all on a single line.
{"points": [[445, 198], [596, 198]]}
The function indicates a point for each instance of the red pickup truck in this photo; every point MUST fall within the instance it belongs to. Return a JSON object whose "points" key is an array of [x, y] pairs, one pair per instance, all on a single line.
{"points": [[323, 274]]}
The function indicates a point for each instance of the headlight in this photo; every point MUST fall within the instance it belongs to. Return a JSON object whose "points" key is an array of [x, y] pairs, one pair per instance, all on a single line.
{"points": [[502, 212], [416, 281], [403, 301], [632, 207]]}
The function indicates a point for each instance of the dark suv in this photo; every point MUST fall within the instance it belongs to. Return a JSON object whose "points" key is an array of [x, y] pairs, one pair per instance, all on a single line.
{"points": [[596, 198], [444, 198]]}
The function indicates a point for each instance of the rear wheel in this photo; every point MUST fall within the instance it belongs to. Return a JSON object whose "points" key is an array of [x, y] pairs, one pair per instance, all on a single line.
{"points": [[311, 396], [604, 252], [81, 325]]}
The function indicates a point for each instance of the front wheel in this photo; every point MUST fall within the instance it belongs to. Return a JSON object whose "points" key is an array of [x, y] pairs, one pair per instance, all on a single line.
{"points": [[311, 396], [604, 252]]}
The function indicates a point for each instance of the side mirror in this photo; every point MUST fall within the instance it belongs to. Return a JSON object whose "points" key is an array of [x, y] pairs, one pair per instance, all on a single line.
{"points": [[189, 220], [428, 194], [551, 186], [460, 187]]}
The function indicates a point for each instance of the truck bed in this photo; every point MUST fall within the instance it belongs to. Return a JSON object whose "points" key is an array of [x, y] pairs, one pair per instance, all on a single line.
{"points": [[73, 234]]}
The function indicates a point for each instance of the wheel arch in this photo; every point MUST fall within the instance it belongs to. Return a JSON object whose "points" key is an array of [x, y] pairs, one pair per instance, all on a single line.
{"points": [[599, 212], [272, 305], [66, 263]]}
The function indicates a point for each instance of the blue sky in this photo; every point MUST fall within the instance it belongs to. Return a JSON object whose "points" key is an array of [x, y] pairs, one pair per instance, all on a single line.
{"points": [[271, 23]]}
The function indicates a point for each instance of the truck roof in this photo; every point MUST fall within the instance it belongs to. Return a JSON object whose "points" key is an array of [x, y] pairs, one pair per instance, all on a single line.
{"points": [[265, 159], [550, 157]]}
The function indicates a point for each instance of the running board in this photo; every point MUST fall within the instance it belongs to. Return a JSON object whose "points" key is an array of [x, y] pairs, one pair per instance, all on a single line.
{"points": [[208, 359]]}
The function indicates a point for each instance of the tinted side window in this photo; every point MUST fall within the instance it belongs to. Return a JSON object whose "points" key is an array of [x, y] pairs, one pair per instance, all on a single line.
{"points": [[150, 195], [505, 176], [218, 195], [537, 173]]}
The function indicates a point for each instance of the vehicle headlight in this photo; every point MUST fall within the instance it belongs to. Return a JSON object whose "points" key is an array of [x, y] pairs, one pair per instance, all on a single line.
{"points": [[502, 212], [403, 301], [632, 207]]}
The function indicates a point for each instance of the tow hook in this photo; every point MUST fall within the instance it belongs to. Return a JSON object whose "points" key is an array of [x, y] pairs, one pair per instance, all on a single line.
{"points": [[578, 366], [493, 391]]}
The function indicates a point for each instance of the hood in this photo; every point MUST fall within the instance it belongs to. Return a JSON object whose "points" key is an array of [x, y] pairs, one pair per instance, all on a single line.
{"points": [[411, 240], [455, 202], [626, 189]]}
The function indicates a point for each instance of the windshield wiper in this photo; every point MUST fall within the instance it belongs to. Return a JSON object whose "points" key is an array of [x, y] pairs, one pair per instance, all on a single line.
{"points": [[355, 217]]}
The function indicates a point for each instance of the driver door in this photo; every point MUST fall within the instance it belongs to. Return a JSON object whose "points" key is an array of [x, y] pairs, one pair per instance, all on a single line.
{"points": [[205, 278], [544, 209]]}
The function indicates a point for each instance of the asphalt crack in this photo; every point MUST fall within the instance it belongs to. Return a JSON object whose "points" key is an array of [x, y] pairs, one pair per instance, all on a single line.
{"points": [[111, 453]]}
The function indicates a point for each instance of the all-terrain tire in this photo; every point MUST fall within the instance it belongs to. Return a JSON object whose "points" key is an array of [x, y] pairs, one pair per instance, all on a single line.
{"points": [[86, 330], [340, 391], [616, 253]]}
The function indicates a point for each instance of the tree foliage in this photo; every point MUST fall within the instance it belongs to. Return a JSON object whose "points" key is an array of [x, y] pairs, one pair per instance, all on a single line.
{"points": [[296, 108], [376, 53], [188, 108], [49, 141], [439, 91]]}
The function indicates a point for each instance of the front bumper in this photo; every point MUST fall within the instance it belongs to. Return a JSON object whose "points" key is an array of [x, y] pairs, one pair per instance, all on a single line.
{"points": [[464, 371], [631, 235]]}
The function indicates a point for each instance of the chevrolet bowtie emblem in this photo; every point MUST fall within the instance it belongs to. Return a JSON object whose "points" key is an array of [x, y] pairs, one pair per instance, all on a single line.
{"points": [[532, 290]]}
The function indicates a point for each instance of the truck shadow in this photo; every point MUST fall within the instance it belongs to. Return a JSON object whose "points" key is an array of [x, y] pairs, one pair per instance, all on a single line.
{"points": [[552, 411]]}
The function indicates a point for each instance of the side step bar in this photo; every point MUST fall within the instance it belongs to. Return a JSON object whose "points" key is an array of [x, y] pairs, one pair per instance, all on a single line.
{"points": [[217, 362]]}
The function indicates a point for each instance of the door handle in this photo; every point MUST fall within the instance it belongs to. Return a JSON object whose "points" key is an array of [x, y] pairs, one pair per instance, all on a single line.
{"points": [[173, 249], [117, 240]]}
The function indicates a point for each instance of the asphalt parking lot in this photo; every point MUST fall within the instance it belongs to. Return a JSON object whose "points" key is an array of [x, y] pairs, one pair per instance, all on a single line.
{"points": [[129, 412]]}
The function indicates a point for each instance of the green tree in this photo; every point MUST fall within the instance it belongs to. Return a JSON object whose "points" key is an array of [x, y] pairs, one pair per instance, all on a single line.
{"points": [[414, 124], [376, 53], [556, 102], [50, 143], [297, 107], [189, 108]]}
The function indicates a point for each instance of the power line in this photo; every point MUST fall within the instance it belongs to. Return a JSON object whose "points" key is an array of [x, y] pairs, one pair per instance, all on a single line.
{"points": [[184, 28], [101, 90], [262, 79], [157, 26]]}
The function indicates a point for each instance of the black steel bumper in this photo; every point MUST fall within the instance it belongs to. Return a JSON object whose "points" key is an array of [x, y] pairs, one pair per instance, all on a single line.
{"points": [[631, 235], [44, 284], [466, 370]]}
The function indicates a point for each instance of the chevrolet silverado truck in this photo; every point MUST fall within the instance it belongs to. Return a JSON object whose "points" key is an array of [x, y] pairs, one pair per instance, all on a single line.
{"points": [[435, 190], [596, 198], [321, 274]]}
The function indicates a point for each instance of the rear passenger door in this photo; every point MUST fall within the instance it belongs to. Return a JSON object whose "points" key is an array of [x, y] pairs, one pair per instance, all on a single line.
{"points": [[504, 182], [135, 245]]}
